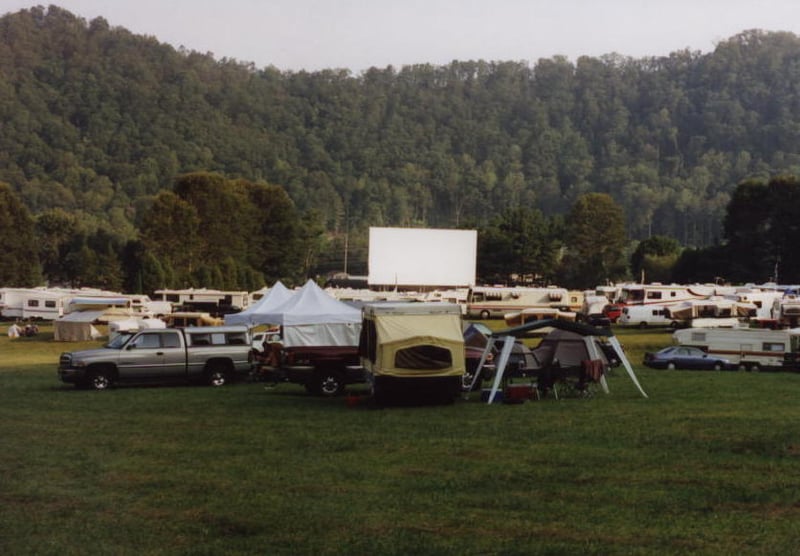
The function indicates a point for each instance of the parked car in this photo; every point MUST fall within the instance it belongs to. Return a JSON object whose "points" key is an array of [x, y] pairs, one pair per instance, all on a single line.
{"points": [[612, 311], [685, 357]]}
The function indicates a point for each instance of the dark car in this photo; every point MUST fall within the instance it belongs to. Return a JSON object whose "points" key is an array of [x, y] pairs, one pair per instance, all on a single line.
{"points": [[685, 357]]}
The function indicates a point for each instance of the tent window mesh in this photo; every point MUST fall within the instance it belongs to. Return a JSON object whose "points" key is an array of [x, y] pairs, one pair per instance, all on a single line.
{"points": [[425, 357]]}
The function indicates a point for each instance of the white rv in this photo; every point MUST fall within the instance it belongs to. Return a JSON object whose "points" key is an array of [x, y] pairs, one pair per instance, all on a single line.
{"points": [[495, 302], [749, 348], [646, 315], [31, 303], [662, 294]]}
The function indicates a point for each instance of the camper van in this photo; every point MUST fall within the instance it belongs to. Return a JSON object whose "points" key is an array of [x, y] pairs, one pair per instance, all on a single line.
{"points": [[412, 351], [495, 302], [646, 315], [752, 349]]}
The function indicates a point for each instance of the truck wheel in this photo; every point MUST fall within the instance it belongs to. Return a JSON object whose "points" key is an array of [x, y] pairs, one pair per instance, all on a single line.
{"points": [[216, 376], [100, 380], [329, 383], [485, 314]]}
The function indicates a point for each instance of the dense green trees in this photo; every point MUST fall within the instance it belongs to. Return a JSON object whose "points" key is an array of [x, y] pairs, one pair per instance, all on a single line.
{"points": [[98, 122], [20, 265]]}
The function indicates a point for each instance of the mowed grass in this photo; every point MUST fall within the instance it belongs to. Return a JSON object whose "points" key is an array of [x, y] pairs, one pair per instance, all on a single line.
{"points": [[709, 464]]}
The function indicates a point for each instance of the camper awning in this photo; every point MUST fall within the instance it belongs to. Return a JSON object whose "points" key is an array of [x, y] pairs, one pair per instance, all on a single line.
{"points": [[82, 316]]}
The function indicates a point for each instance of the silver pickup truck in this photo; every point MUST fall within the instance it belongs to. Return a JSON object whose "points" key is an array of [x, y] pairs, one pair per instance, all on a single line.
{"points": [[213, 354]]}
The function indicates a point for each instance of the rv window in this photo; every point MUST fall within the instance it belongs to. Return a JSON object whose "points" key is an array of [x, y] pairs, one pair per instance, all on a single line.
{"points": [[33, 303], [698, 336], [425, 357], [653, 295], [772, 347], [50, 304]]}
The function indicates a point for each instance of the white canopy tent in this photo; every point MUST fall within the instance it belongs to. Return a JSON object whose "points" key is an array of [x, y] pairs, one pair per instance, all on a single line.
{"points": [[311, 317], [277, 295]]}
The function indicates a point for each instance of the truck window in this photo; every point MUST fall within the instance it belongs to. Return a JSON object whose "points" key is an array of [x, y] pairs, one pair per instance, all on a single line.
{"points": [[147, 341], [200, 340], [170, 340], [236, 339]]}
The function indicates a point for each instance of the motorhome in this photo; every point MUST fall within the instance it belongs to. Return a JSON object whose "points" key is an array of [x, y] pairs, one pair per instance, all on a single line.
{"points": [[752, 349], [662, 294], [495, 302]]}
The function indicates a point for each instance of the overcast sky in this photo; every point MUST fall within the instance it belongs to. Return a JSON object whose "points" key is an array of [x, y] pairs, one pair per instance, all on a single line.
{"points": [[359, 34]]}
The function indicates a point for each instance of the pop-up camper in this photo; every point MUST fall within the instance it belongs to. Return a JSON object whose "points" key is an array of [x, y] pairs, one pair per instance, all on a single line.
{"points": [[412, 351]]}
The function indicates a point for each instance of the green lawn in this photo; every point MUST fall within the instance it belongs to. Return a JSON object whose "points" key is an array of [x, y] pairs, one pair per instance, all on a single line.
{"points": [[710, 463]]}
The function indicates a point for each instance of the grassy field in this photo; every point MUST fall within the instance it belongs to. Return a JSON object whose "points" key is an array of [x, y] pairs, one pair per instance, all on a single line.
{"points": [[709, 464]]}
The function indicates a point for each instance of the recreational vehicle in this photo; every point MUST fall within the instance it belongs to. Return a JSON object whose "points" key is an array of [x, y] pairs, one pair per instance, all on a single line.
{"points": [[31, 303], [661, 294], [752, 349], [495, 302], [215, 302], [786, 310]]}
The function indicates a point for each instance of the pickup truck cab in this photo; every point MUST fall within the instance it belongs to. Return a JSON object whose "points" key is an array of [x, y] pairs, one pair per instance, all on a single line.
{"points": [[213, 354]]}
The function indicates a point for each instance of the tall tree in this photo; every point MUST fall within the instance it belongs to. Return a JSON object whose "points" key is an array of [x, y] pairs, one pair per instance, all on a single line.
{"points": [[595, 242]]}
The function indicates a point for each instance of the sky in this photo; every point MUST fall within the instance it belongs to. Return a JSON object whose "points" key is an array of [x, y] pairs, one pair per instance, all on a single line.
{"points": [[313, 35]]}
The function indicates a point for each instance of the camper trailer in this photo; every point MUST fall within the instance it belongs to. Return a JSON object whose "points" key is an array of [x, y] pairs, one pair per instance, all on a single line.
{"points": [[32, 303], [412, 351], [662, 294], [216, 302], [752, 349], [495, 302]]}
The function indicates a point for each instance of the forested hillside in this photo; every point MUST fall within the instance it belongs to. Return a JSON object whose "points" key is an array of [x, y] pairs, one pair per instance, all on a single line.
{"points": [[97, 121]]}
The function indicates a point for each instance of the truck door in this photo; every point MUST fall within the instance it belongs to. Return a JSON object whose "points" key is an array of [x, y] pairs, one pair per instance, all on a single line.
{"points": [[153, 354]]}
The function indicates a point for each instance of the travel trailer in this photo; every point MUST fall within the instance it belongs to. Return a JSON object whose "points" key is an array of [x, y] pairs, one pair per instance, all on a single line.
{"points": [[495, 302], [32, 303], [752, 349], [712, 312], [662, 294], [215, 302], [786, 309]]}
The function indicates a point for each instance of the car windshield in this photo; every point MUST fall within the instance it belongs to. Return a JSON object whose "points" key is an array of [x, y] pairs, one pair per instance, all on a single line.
{"points": [[120, 340]]}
